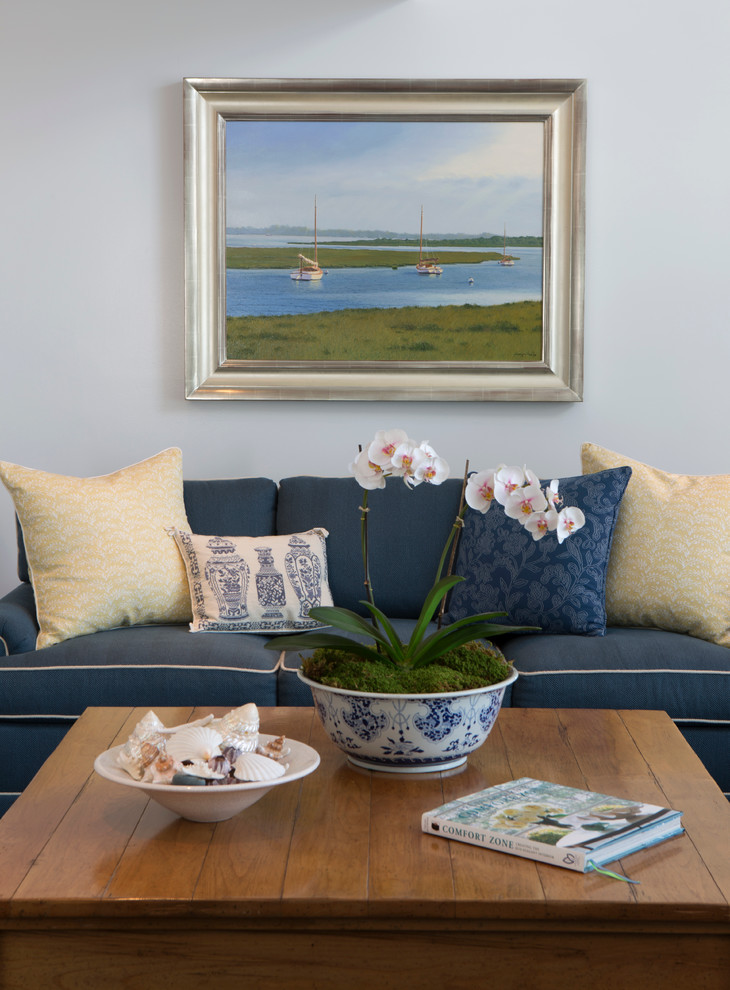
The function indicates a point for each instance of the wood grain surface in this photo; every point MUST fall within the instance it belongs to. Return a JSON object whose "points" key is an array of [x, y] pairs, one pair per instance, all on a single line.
{"points": [[328, 882]]}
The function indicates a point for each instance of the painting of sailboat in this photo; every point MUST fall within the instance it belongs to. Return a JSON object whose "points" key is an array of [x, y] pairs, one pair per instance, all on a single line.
{"points": [[505, 260], [309, 270], [426, 266]]}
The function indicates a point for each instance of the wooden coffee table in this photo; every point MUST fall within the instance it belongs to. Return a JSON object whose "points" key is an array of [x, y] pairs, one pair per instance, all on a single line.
{"points": [[329, 882]]}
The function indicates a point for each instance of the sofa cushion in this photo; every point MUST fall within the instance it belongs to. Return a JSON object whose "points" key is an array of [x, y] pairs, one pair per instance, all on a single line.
{"points": [[255, 584], [407, 531], [97, 548], [670, 566], [154, 665], [558, 587]]}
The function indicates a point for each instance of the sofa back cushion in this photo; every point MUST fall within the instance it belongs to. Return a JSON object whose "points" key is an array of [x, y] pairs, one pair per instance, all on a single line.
{"points": [[231, 506], [407, 530]]}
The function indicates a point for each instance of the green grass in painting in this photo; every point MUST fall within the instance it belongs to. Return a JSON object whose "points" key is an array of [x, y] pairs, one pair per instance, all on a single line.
{"points": [[510, 332], [246, 257]]}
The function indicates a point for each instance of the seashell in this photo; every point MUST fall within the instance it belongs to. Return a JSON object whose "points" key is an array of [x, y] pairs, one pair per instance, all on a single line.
{"points": [[137, 754], [144, 745], [275, 749], [148, 727], [253, 766], [231, 753], [205, 720], [241, 743], [240, 727], [221, 765], [195, 743], [200, 768], [162, 770]]}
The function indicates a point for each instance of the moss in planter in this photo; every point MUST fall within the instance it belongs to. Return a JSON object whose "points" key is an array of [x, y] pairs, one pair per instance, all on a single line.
{"points": [[470, 666]]}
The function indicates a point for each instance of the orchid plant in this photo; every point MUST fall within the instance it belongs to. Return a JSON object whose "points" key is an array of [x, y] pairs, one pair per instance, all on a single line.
{"points": [[392, 454]]}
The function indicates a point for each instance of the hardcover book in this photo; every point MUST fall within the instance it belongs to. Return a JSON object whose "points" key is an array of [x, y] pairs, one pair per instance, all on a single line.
{"points": [[579, 830]]}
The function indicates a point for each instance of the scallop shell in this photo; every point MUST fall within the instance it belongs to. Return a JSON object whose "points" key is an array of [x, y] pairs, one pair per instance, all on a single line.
{"points": [[195, 743], [253, 766]]}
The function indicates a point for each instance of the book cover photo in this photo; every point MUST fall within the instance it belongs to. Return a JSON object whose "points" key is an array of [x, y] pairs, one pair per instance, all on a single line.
{"points": [[553, 823]]}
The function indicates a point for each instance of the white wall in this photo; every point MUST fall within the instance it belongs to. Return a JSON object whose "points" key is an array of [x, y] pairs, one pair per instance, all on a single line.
{"points": [[91, 233]]}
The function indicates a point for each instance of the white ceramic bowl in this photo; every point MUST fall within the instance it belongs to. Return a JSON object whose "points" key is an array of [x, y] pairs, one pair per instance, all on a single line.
{"points": [[404, 733], [211, 804]]}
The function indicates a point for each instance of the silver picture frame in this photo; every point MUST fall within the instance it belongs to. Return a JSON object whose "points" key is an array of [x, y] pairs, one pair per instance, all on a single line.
{"points": [[559, 103]]}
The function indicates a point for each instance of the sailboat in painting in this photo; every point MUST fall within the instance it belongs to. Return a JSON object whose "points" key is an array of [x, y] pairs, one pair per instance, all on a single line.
{"points": [[309, 270], [505, 259], [426, 266]]}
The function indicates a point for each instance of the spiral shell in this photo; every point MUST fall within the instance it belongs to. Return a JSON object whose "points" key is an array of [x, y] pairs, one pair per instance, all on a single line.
{"points": [[148, 727], [275, 749], [136, 755], [194, 743], [240, 727], [161, 771], [253, 766]]}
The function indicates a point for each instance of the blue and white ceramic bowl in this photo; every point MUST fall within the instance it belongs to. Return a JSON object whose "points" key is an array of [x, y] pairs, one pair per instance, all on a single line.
{"points": [[404, 733]]}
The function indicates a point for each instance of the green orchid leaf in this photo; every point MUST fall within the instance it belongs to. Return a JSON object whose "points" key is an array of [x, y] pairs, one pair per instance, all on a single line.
{"points": [[433, 599], [450, 639], [315, 640], [344, 618], [477, 617], [395, 649]]}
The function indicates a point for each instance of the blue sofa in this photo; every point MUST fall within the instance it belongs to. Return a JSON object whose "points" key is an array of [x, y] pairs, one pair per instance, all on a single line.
{"points": [[42, 692]]}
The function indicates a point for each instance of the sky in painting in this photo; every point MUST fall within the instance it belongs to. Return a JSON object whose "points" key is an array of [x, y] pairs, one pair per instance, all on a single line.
{"points": [[470, 178]]}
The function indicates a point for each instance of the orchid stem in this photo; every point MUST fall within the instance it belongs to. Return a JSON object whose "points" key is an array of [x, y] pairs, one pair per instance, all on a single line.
{"points": [[366, 557], [452, 542], [365, 552]]}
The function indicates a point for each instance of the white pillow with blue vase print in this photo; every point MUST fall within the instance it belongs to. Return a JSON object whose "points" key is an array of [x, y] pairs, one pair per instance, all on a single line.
{"points": [[558, 587], [249, 584]]}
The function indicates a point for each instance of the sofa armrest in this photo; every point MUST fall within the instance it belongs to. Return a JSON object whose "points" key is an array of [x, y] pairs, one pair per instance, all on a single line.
{"points": [[18, 625]]}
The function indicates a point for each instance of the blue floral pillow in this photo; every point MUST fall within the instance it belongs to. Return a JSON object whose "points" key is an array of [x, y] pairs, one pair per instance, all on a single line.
{"points": [[560, 587]]}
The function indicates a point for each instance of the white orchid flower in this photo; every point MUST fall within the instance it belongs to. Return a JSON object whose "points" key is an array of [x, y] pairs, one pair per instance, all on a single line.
{"points": [[530, 477], [524, 501], [551, 493], [570, 521], [367, 474], [540, 523], [406, 460], [433, 470], [479, 492], [385, 444], [506, 480]]}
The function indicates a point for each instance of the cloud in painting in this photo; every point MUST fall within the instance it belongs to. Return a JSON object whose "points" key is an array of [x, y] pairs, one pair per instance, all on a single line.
{"points": [[375, 175]]}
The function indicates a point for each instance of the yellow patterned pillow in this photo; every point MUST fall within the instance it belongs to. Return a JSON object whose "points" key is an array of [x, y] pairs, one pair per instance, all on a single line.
{"points": [[670, 558], [98, 551]]}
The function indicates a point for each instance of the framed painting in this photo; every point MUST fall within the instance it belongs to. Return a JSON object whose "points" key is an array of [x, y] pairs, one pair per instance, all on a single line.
{"points": [[384, 239]]}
